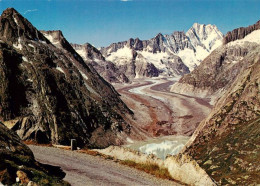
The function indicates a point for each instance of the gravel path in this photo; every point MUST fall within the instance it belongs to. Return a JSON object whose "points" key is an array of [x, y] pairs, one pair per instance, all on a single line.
{"points": [[83, 169]]}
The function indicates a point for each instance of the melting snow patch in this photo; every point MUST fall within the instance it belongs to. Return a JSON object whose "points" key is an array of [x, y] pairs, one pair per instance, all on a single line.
{"points": [[252, 37], [83, 75], [15, 20], [121, 55], [129, 140], [25, 59], [60, 69], [82, 53], [18, 46]]}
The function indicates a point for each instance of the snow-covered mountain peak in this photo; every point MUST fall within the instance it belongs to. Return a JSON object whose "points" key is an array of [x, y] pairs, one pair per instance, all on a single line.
{"points": [[206, 36]]}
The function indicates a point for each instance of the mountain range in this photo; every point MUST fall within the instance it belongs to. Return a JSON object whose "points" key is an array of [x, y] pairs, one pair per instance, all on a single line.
{"points": [[164, 55]]}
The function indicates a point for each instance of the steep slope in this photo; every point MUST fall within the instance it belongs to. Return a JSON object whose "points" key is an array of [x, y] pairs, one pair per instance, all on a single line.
{"points": [[17, 159], [57, 96], [227, 143], [216, 73], [171, 55]]}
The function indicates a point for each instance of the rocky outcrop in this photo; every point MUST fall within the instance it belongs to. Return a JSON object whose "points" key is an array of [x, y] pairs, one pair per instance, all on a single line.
{"points": [[49, 94], [178, 166], [17, 161], [240, 33]]}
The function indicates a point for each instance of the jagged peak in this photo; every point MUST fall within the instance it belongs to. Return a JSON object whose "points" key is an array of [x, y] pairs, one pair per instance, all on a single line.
{"points": [[9, 11], [13, 26]]}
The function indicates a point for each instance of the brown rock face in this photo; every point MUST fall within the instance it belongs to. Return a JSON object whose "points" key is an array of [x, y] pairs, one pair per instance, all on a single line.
{"points": [[227, 143], [240, 33], [16, 160], [49, 94]]}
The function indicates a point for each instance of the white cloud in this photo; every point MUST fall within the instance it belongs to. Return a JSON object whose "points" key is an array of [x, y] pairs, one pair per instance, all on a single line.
{"points": [[125, 0], [28, 11]]}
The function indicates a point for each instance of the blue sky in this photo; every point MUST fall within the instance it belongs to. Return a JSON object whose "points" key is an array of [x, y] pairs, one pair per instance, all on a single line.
{"points": [[102, 22]]}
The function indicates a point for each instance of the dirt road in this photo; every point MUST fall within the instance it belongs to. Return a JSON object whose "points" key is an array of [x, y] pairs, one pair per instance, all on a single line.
{"points": [[83, 169]]}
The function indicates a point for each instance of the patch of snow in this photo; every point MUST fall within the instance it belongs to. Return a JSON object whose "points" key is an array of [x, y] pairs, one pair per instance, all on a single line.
{"points": [[51, 39], [201, 53], [129, 140], [155, 58], [25, 59], [30, 45], [121, 55], [82, 53], [83, 75], [252, 37], [18, 45], [188, 57], [15, 20], [60, 69]]}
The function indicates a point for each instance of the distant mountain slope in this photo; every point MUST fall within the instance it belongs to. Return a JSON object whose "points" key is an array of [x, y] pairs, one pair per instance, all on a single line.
{"points": [[17, 158], [227, 143], [49, 94], [216, 73], [106, 69]]}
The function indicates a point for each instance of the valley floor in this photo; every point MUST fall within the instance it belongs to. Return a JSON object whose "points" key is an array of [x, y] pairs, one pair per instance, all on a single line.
{"points": [[83, 169], [159, 112]]}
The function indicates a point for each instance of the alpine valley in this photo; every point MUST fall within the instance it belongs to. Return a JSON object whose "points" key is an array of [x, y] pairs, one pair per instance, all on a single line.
{"points": [[184, 107]]}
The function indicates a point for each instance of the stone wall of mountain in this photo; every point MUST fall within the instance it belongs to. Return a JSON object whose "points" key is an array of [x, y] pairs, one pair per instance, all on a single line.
{"points": [[49, 94], [226, 144], [240, 33], [17, 160]]}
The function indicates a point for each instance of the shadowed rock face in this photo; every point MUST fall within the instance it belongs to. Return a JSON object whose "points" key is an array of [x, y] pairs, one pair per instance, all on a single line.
{"points": [[15, 156], [49, 94], [226, 144]]}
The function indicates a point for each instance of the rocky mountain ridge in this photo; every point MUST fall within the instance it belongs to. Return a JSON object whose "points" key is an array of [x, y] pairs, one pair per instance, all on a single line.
{"points": [[49, 94]]}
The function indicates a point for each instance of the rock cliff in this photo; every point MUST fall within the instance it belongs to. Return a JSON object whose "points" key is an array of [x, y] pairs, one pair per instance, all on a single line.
{"points": [[49, 94]]}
